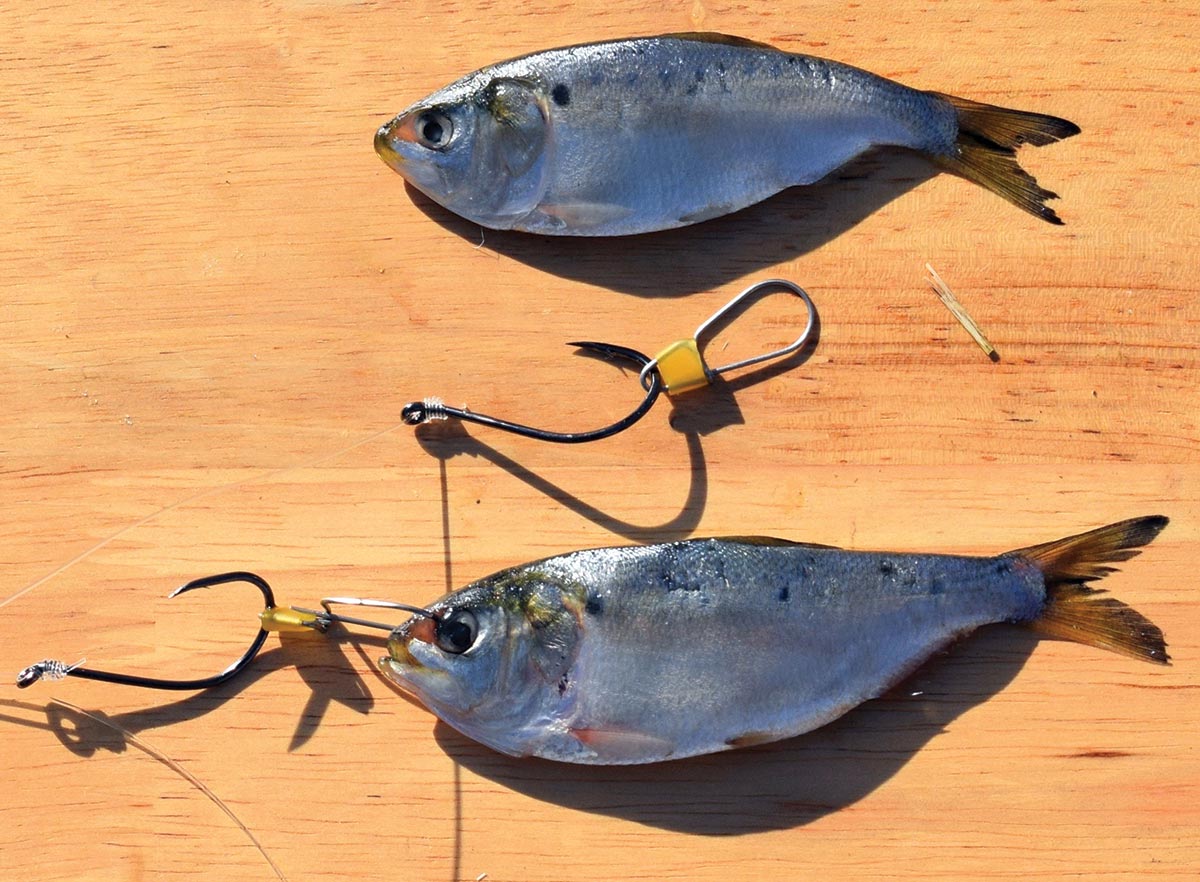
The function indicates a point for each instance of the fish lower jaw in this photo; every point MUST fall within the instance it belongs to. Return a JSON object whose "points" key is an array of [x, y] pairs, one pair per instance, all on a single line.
{"points": [[401, 674]]}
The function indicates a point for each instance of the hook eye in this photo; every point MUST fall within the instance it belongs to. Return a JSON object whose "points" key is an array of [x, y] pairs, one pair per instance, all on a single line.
{"points": [[682, 364]]}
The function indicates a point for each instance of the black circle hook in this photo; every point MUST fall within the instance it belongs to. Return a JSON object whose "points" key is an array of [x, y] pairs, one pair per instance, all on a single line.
{"points": [[417, 412], [56, 669]]}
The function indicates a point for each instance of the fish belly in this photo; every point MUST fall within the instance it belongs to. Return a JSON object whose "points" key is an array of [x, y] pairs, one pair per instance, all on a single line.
{"points": [[719, 647]]}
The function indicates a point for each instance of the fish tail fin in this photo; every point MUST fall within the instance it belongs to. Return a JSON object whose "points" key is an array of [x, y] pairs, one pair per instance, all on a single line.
{"points": [[985, 149], [1074, 611]]}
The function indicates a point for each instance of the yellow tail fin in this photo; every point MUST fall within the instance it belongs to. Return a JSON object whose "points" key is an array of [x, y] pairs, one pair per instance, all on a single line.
{"points": [[1074, 611], [988, 137]]}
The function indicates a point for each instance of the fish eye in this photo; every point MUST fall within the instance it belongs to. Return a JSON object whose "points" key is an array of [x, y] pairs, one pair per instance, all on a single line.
{"points": [[434, 129], [456, 632]]}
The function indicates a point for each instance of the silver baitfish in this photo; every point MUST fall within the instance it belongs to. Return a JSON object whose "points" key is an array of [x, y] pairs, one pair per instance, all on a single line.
{"points": [[656, 652], [630, 136]]}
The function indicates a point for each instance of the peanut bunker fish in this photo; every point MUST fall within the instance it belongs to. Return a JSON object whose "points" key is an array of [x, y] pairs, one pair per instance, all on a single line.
{"points": [[656, 652], [630, 136]]}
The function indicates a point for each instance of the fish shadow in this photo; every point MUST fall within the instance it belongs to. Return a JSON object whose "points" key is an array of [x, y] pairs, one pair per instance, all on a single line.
{"points": [[326, 670], [708, 255], [778, 786]]}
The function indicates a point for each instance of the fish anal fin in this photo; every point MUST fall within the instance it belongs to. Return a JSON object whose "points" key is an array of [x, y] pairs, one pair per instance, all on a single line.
{"points": [[618, 745], [1074, 611], [752, 739]]}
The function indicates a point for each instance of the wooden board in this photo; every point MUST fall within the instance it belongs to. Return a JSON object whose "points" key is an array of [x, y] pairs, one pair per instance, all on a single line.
{"points": [[217, 299]]}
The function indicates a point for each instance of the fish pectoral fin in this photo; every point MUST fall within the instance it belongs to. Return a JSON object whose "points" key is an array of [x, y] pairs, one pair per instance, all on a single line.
{"points": [[623, 745], [582, 215]]}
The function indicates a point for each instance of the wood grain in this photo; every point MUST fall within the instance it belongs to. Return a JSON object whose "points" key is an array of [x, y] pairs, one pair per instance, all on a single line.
{"points": [[217, 299]]}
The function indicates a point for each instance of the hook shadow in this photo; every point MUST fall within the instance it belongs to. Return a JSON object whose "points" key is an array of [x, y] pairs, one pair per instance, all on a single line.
{"points": [[443, 441], [330, 681], [692, 415], [777, 786], [711, 254]]}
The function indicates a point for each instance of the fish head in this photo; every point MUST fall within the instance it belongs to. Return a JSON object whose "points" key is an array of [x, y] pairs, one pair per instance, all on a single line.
{"points": [[491, 659], [478, 147]]}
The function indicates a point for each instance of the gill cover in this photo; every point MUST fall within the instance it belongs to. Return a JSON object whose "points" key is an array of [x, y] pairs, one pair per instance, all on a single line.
{"points": [[510, 152], [517, 123], [479, 147]]}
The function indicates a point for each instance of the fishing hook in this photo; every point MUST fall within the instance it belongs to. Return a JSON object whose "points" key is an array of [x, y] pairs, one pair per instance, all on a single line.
{"points": [[417, 412], [677, 368], [272, 618]]}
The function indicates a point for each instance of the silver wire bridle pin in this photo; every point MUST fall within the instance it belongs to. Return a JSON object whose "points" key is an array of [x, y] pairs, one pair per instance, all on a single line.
{"points": [[677, 368]]}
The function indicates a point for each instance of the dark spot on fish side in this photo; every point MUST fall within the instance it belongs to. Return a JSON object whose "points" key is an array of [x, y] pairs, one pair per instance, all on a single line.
{"points": [[564, 683], [1004, 567], [561, 95], [937, 586], [594, 605], [887, 568], [699, 75], [784, 594]]}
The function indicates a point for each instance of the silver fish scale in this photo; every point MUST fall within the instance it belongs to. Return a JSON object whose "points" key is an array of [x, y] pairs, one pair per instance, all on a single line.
{"points": [[706, 641]]}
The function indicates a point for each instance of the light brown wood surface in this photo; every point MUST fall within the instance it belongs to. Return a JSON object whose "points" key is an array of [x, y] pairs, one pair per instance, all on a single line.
{"points": [[216, 300]]}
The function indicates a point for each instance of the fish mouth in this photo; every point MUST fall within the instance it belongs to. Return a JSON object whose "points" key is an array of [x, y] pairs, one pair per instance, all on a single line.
{"points": [[412, 677], [385, 146], [404, 668], [395, 670]]}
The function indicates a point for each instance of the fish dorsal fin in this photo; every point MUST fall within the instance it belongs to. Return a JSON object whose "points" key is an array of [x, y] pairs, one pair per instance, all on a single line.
{"points": [[719, 39], [771, 542]]}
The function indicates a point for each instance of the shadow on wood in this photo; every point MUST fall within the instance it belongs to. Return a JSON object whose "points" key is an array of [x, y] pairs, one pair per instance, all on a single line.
{"points": [[782, 785], [446, 440], [708, 255], [326, 671], [693, 415]]}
